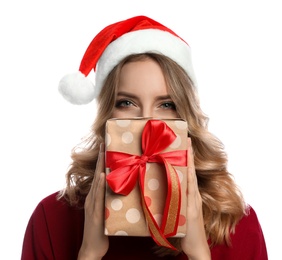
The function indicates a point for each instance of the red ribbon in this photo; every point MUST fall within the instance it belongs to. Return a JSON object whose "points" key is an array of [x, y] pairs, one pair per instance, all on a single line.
{"points": [[127, 168]]}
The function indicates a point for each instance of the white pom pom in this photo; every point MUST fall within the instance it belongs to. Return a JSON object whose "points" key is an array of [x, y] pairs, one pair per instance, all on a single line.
{"points": [[76, 88]]}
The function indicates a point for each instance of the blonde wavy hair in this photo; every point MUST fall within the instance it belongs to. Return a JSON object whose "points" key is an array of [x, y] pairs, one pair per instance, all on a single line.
{"points": [[223, 204]]}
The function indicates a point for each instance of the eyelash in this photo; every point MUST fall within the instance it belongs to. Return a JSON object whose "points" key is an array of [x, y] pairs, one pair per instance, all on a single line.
{"points": [[126, 103], [171, 104], [123, 103]]}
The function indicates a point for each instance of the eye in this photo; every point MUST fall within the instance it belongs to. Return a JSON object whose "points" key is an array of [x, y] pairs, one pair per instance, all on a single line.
{"points": [[168, 105], [123, 103]]}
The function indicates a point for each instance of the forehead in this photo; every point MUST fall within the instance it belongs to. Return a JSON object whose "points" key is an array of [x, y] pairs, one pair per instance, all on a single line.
{"points": [[142, 75]]}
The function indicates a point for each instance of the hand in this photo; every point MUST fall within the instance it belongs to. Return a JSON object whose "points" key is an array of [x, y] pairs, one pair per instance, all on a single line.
{"points": [[95, 243], [194, 244]]}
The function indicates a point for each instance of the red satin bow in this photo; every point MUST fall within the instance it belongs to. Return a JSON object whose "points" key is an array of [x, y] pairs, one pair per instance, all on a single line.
{"points": [[126, 168]]}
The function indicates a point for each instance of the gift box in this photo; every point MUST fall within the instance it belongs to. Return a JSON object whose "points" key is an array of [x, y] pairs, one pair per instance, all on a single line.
{"points": [[146, 178]]}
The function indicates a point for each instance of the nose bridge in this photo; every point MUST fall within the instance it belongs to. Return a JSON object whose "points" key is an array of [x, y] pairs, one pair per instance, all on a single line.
{"points": [[146, 111]]}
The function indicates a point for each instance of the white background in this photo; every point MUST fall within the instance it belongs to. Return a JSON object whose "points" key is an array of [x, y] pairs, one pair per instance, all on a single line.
{"points": [[236, 47]]}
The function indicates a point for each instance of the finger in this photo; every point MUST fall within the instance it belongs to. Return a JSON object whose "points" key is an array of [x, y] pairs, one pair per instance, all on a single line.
{"points": [[194, 201], [191, 167], [99, 168], [100, 196]]}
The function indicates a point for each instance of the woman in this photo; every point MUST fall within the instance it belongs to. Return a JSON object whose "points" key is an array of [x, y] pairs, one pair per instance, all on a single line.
{"points": [[143, 70]]}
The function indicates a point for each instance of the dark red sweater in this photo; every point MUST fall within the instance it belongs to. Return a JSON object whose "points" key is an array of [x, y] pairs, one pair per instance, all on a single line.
{"points": [[55, 232]]}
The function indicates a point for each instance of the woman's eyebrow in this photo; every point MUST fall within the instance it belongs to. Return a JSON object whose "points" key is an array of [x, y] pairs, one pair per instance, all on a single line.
{"points": [[163, 97], [126, 94], [133, 96]]}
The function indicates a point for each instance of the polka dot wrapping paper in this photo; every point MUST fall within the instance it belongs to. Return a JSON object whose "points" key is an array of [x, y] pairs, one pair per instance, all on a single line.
{"points": [[141, 205]]}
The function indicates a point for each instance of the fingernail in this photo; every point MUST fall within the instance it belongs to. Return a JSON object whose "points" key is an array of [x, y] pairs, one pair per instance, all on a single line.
{"points": [[102, 147], [189, 143]]}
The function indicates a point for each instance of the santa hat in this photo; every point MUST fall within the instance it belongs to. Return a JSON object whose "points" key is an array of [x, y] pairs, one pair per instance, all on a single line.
{"points": [[138, 34]]}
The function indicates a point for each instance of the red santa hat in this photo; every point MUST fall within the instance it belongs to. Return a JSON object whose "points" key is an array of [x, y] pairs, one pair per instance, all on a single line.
{"points": [[138, 34]]}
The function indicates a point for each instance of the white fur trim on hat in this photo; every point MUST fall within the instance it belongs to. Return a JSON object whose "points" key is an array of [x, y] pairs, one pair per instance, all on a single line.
{"points": [[149, 40]]}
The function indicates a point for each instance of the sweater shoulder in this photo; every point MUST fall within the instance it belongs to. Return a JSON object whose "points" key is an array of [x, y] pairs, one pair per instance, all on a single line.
{"points": [[51, 199], [250, 221], [55, 208]]}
